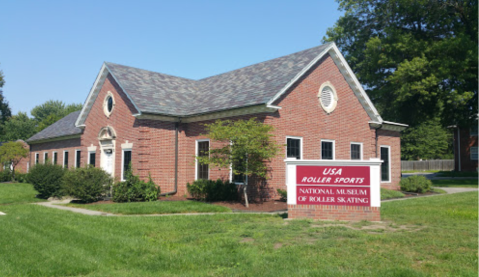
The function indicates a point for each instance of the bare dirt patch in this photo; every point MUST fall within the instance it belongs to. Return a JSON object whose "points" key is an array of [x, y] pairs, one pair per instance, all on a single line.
{"points": [[245, 240], [267, 206]]}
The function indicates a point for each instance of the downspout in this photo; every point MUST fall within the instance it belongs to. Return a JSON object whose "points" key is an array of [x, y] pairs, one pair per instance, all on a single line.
{"points": [[459, 147], [377, 140], [177, 125]]}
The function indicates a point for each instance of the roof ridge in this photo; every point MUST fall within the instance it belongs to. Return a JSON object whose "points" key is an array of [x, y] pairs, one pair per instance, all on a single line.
{"points": [[137, 68]]}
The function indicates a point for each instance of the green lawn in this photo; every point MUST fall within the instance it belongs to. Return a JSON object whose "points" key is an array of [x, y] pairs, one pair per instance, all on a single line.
{"points": [[423, 171], [457, 183], [157, 207], [457, 174], [434, 236], [17, 193], [389, 194]]}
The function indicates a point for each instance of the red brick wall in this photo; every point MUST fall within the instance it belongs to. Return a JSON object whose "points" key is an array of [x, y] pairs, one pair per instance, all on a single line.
{"points": [[392, 139], [324, 212], [70, 145], [466, 141]]}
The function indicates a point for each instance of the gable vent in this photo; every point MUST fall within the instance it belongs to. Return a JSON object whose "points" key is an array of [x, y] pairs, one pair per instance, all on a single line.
{"points": [[327, 97]]}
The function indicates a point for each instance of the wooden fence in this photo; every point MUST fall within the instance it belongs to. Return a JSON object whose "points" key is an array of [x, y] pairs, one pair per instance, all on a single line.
{"points": [[445, 165]]}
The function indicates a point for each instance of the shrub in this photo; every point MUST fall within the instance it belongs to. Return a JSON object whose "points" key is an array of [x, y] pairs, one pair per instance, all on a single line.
{"points": [[283, 194], [416, 184], [133, 189], [21, 177], [47, 179], [209, 190], [88, 184], [6, 175]]}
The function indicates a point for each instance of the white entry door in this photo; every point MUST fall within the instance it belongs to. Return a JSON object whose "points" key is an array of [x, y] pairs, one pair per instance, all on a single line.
{"points": [[107, 163]]}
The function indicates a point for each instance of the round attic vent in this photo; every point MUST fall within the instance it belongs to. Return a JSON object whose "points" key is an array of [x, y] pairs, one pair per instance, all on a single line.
{"points": [[328, 98]]}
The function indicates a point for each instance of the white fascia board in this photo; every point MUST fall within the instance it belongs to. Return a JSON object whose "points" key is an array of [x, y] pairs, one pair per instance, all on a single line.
{"points": [[395, 123], [299, 75], [370, 162]]}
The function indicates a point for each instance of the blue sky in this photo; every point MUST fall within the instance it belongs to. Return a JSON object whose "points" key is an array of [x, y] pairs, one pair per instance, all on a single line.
{"points": [[54, 49]]}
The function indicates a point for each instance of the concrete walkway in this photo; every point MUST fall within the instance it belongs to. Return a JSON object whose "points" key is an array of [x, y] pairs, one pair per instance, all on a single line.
{"points": [[434, 176], [448, 190]]}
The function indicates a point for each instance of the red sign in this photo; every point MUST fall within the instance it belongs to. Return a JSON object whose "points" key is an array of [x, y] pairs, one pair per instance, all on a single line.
{"points": [[333, 195], [332, 175]]}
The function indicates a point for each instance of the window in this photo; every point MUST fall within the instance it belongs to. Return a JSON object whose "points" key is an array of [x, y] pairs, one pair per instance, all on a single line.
{"points": [[386, 165], [108, 104], [55, 158], [356, 151], [91, 158], [37, 157], [126, 163], [202, 148], [294, 147], [474, 153], [65, 159], [77, 158], [328, 98], [45, 157], [473, 131], [327, 149], [237, 178]]}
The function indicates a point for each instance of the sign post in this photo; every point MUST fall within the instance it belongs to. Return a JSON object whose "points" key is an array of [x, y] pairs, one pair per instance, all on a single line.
{"points": [[334, 189]]}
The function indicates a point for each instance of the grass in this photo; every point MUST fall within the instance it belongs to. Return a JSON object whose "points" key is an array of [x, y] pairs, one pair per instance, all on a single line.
{"points": [[388, 194], [457, 174], [422, 171], [441, 240], [456, 183], [17, 193], [157, 207]]}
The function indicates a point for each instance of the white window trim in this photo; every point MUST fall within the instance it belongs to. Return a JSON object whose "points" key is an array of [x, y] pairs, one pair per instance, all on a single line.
{"points": [[89, 157], [334, 148], [53, 156], [360, 148], [44, 157], [76, 153], [390, 165], [196, 154], [37, 160], [300, 146], [63, 158], [123, 161]]}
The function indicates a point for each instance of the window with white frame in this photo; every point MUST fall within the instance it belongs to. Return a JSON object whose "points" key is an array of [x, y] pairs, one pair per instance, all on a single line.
{"points": [[65, 159], [45, 157], [474, 153], [125, 163], [78, 158], [37, 157], [356, 151], [386, 165], [55, 158], [294, 148], [202, 150], [92, 158], [327, 149]]}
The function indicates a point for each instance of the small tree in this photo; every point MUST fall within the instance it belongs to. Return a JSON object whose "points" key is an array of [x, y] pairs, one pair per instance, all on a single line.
{"points": [[247, 145], [12, 153]]}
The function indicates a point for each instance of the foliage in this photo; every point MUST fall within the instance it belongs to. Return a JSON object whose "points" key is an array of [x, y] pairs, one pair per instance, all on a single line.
{"points": [[417, 59], [21, 177], [283, 194], [133, 189], [429, 140], [416, 183], [247, 145], [5, 111], [12, 153], [388, 194], [47, 179], [156, 207], [209, 190], [88, 184], [6, 175], [19, 126], [51, 111]]}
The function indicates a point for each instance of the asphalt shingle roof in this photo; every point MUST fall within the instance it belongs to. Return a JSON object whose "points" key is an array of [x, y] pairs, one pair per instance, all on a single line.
{"points": [[159, 93], [63, 127]]}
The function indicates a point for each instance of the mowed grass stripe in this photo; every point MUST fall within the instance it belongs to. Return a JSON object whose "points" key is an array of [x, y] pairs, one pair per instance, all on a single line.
{"points": [[41, 241]]}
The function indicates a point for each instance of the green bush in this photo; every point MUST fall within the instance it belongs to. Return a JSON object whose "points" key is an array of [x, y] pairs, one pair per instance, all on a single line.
{"points": [[133, 189], [416, 184], [21, 177], [6, 175], [209, 190], [47, 179], [88, 184], [283, 194]]}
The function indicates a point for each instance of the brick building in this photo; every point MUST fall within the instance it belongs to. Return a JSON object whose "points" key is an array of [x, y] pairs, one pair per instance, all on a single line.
{"points": [[465, 148], [155, 121]]}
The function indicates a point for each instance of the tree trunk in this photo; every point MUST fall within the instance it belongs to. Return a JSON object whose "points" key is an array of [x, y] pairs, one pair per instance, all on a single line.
{"points": [[245, 192]]}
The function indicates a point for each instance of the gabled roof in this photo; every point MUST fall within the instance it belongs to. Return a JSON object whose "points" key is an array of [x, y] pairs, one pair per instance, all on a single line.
{"points": [[155, 93], [64, 127]]}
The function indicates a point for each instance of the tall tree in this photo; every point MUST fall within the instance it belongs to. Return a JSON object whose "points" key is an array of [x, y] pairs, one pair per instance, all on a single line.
{"points": [[429, 140], [245, 145], [51, 111], [19, 126], [11, 153], [5, 111], [416, 58]]}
